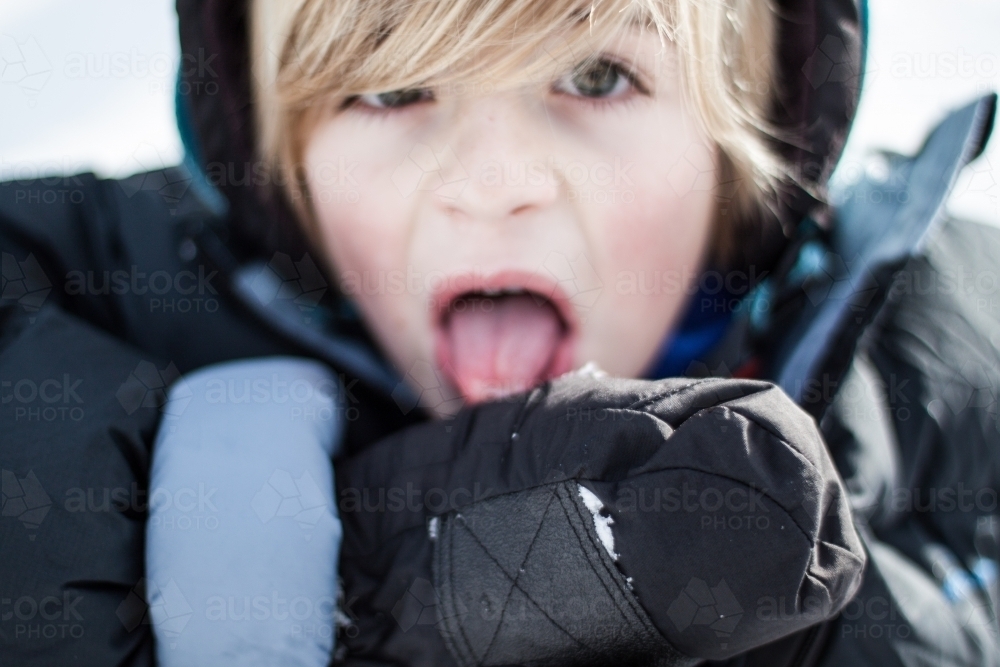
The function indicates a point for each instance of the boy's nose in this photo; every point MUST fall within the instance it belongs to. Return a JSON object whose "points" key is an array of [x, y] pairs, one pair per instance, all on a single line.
{"points": [[503, 150]]}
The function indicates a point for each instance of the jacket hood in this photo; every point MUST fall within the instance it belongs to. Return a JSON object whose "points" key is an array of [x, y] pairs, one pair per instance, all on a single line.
{"points": [[820, 56]]}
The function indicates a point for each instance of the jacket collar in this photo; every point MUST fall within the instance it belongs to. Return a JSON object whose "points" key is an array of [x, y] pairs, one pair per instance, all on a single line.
{"points": [[832, 285]]}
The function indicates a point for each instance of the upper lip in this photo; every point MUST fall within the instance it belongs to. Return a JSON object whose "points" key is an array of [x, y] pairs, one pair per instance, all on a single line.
{"points": [[500, 282]]}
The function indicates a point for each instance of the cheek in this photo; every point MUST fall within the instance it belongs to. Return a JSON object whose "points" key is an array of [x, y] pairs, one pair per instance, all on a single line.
{"points": [[365, 223], [359, 236], [665, 219], [659, 232], [652, 250], [359, 218]]}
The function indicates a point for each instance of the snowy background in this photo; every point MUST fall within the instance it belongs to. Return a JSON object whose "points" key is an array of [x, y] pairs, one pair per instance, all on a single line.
{"points": [[60, 114]]}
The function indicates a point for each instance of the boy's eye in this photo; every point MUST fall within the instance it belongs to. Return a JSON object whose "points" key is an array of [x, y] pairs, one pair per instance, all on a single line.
{"points": [[395, 99], [600, 78]]}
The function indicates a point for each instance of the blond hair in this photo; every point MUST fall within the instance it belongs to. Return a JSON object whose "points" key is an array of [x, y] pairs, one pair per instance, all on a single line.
{"points": [[305, 54]]}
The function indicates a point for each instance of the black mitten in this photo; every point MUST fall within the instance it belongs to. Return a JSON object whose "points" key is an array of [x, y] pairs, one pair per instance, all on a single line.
{"points": [[595, 521]]}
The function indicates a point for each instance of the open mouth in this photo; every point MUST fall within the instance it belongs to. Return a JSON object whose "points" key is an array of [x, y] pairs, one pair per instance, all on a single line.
{"points": [[504, 337]]}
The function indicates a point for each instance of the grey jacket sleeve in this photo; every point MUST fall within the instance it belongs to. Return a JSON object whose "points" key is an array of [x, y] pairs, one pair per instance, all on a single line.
{"points": [[243, 538]]}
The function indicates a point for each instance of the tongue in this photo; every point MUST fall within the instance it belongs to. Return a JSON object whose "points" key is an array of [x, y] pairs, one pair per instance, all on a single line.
{"points": [[500, 346]]}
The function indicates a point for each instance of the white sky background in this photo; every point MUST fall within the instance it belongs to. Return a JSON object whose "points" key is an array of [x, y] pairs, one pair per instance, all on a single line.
{"points": [[56, 119]]}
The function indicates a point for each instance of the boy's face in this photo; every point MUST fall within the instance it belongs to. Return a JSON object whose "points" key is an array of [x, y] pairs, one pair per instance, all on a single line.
{"points": [[493, 240]]}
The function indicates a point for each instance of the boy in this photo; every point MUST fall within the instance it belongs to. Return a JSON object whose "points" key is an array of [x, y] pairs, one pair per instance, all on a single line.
{"points": [[459, 131]]}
